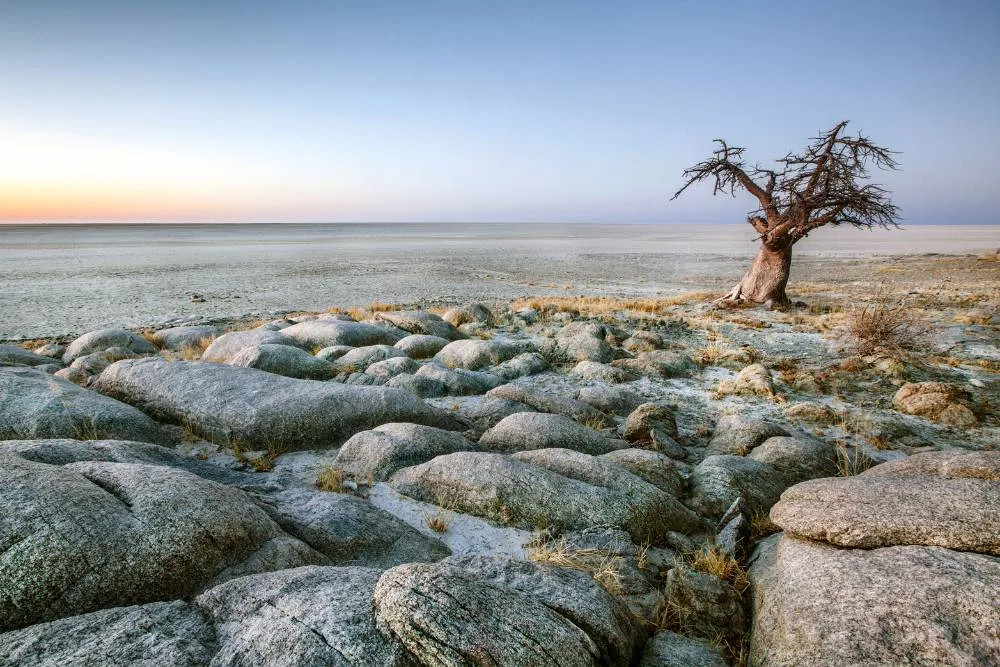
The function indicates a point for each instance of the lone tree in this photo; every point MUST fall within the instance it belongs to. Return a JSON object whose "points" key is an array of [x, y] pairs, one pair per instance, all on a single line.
{"points": [[818, 187]]}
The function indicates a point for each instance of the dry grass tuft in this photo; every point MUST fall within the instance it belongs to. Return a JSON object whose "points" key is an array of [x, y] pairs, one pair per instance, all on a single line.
{"points": [[851, 460], [762, 526], [439, 522], [594, 306], [887, 328], [597, 423], [150, 337], [331, 479], [711, 560], [603, 566]]}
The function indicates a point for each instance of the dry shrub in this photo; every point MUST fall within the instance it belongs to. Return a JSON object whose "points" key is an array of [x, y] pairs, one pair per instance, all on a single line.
{"points": [[594, 306], [887, 328], [439, 522], [851, 460], [331, 479], [151, 338], [711, 560], [603, 566]]}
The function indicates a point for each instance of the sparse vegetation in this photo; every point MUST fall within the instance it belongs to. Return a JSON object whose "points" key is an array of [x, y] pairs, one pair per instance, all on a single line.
{"points": [[331, 479], [603, 566], [883, 327], [851, 460], [439, 522], [711, 560]]}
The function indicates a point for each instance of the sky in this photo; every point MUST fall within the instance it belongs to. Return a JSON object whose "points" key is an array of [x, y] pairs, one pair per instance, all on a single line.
{"points": [[478, 111]]}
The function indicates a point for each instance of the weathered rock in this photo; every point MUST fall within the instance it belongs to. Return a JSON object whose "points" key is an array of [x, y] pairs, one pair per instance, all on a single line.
{"points": [[593, 370], [476, 354], [797, 460], [421, 346], [511, 492], [380, 452], [654, 467], [102, 339], [528, 315], [420, 322], [333, 352], [446, 615], [647, 418], [703, 604], [148, 533], [812, 412], [168, 634], [178, 338], [36, 405], [537, 430], [303, 616], [643, 341], [95, 362], [489, 411], [284, 360], [584, 341], [604, 472], [943, 465], [719, 480], [74, 375], [669, 649], [390, 368], [883, 510], [363, 357], [260, 410], [611, 400], [662, 363], [14, 354], [328, 332], [561, 405], [51, 350], [424, 387], [350, 530], [736, 434], [734, 531], [938, 401], [229, 344], [458, 381], [755, 379], [472, 313], [526, 363], [819, 605]]}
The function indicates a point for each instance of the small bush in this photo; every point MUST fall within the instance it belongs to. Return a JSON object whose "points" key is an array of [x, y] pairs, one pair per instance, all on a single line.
{"points": [[439, 523], [331, 479], [711, 560], [882, 327]]}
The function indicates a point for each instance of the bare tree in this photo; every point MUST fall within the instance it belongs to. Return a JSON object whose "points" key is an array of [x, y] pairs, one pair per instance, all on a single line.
{"points": [[818, 187]]}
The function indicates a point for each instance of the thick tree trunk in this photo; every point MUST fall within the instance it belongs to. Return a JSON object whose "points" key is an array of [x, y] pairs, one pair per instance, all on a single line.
{"points": [[766, 278]]}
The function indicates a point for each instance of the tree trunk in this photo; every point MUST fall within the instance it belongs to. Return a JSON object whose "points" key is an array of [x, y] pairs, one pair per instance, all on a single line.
{"points": [[766, 278]]}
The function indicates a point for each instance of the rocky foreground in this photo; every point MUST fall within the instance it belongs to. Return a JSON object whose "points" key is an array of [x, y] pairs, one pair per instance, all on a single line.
{"points": [[598, 483]]}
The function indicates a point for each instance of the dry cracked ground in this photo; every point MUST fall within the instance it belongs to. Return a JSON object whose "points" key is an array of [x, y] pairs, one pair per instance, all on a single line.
{"points": [[560, 481]]}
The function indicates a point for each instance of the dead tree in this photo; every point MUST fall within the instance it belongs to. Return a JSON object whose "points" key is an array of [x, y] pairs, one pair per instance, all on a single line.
{"points": [[818, 187]]}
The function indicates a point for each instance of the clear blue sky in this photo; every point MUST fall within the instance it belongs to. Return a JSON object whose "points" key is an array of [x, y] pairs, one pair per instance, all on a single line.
{"points": [[478, 111]]}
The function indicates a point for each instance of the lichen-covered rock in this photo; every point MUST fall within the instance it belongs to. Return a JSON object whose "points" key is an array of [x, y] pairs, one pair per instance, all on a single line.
{"points": [[538, 430], [943, 465], [229, 344], [167, 634], [654, 467], [472, 313], [669, 649], [420, 322], [584, 341], [302, 616], [361, 358], [560, 405], [284, 360], [447, 615], [350, 530], [755, 379], [51, 350], [421, 346], [380, 452], [333, 352], [102, 339], [643, 341], [819, 605], [418, 385], [475, 354], [703, 604], [647, 418], [390, 368], [14, 354], [329, 332], [661, 363], [797, 459], [719, 480], [869, 511], [524, 364], [512, 492], [812, 412], [593, 370], [178, 338], [35, 405], [938, 401], [458, 381], [736, 434], [260, 410], [147, 532]]}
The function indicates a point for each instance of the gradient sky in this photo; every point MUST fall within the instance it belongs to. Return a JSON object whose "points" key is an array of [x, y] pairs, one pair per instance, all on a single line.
{"points": [[477, 111]]}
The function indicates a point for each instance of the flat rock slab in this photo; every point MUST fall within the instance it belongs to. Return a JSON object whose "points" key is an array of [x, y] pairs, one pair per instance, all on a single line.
{"points": [[943, 465], [301, 616], [167, 634], [511, 492], [537, 430], [881, 510], [34, 405], [90, 535], [376, 454], [260, 410], [819, 605]]}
